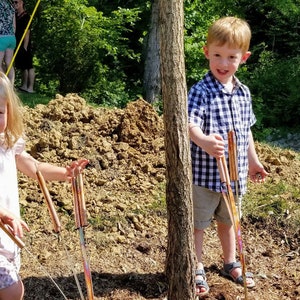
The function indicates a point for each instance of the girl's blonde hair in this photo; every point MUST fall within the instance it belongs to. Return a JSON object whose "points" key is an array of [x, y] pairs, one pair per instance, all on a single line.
{"points": [[231, 30], [15, 127]]}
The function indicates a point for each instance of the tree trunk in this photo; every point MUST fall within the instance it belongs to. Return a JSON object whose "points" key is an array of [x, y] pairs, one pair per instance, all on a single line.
{"points": [[152, 80], [180, 252]]}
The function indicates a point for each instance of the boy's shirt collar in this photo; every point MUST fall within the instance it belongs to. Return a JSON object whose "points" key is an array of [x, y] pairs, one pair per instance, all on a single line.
{"points": [[218, 86]]}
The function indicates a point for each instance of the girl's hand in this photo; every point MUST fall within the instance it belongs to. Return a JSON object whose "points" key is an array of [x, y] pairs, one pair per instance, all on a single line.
{"points": [[15, 223], [76, 167]]}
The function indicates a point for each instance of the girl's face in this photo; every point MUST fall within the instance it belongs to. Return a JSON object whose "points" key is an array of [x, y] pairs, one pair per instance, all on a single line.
{"points": [[3, 114], [224, 61]]}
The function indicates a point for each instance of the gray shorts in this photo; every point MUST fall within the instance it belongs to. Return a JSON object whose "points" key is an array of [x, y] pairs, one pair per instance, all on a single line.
{"points": [[8, 272], [208, 205]]}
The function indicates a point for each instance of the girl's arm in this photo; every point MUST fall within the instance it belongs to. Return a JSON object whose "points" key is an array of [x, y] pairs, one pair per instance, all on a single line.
{"points": [[28, 165]]}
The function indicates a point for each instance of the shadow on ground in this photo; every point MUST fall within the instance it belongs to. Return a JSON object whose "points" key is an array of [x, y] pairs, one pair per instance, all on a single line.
{"points": [[148, 286]]}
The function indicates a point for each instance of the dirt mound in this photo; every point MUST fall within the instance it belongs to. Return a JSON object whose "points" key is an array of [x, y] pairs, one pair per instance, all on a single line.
{"points": [[124, 191]]}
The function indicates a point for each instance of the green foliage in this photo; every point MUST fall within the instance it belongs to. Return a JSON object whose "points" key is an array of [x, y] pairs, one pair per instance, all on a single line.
{"points": [[276, 81], [198, 17], [80, 50]]}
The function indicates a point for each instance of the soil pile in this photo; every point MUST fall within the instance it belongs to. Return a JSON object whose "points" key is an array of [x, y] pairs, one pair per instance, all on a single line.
{"points": [[124, 191]]}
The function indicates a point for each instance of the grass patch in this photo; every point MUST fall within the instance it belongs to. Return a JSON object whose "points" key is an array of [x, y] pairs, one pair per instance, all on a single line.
{"points": [[159, 205], [32, 100], [273, 200]]}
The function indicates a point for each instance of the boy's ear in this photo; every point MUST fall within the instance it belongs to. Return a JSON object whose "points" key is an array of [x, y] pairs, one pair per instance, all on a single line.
{"points": [[245, 57], [205, 50]]}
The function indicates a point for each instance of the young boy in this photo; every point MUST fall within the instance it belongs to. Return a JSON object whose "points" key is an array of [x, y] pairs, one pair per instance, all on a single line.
{"points": [[217, 104]]}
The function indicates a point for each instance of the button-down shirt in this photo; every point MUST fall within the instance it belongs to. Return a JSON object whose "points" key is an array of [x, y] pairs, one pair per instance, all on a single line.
{"points": [[216, 110]]}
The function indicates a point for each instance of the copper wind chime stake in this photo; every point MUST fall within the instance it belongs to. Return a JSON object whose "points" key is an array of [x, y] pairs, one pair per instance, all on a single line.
{"points": [[235, 218], [50, 205], [233, 166], [81, 222]]}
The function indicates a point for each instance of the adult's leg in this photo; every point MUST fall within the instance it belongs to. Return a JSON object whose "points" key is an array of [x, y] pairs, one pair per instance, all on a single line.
{"points": [[1, 61], [13, 292], [24, 85], [30, 80], [9, 53]]}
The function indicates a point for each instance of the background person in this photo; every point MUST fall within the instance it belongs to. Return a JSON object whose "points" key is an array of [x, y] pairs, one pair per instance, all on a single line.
{"points": [[24, 57], [7, 37]]}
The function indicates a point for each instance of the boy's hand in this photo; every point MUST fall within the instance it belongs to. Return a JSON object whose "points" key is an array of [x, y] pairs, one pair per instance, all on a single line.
{"points": [[214, 145], [257, 173]]}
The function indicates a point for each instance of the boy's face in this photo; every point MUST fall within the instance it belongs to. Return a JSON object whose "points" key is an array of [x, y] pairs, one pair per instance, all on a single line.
{"points": [[3, 115], [224, 61]]}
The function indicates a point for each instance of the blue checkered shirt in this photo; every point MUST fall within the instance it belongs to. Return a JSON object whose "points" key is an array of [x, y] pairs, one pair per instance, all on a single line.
{"points": [[216, 110]]}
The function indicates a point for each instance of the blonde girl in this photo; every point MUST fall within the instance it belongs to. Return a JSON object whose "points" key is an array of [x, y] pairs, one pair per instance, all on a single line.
{"points": [[13, 157]]}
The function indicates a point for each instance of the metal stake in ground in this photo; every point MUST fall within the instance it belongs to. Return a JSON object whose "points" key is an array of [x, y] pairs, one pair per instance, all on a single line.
{"points": [[230, 201], [81, 222]]}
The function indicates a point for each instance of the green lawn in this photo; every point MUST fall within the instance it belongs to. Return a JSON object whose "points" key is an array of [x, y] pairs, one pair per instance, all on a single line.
{"points": [[32, 100]]}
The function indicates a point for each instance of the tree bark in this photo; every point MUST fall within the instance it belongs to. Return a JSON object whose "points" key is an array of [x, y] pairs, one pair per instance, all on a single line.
{"points": [[152, 80], [180, 251]]}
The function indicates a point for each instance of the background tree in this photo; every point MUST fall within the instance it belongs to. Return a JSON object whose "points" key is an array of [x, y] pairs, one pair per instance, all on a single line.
{"points": [[152, 80], [180, 251]]}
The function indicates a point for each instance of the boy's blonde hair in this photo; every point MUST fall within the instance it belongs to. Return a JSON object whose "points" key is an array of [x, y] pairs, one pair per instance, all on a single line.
{"points": [[15, 128], [231, 30]]}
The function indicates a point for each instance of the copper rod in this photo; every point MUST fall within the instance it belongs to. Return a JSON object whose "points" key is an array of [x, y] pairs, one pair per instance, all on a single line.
{"points": [[232, 153], [233, 166], [50, 205], [75, 201], [81, 200]]}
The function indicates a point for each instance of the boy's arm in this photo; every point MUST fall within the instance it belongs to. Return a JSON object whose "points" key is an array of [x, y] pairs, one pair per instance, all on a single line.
{"points": [[212, 144], [257, 172]]}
